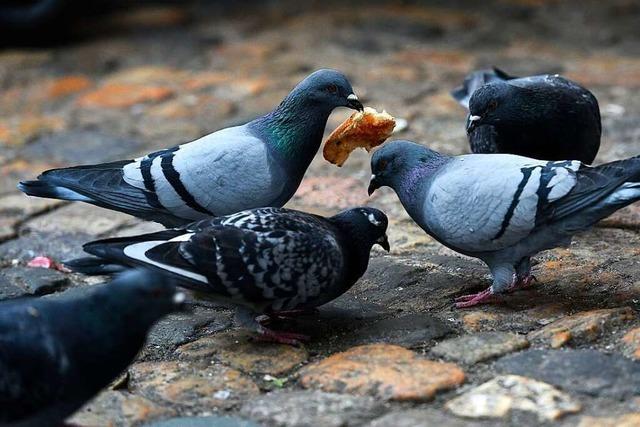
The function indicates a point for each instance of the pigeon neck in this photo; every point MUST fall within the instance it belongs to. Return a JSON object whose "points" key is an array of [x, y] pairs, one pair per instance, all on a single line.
{"points": [[356, 249], [294, 129], [411, 183]]}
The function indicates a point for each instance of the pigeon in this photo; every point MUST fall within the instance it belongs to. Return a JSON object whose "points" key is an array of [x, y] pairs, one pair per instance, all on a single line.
{"points": [[57, 353], [546, 117], [265, 261], [502, 208], [258, 164]]}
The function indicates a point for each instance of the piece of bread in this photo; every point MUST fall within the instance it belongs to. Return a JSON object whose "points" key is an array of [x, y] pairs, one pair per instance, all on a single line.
{"points": [[366, 129]]}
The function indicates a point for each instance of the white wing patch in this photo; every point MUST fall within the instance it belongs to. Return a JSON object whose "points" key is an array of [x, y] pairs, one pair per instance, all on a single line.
{"points": [[138, 252]]}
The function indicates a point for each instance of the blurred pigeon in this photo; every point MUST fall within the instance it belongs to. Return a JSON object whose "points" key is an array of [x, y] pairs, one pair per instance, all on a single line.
{"points": [[502, 208], [545, 117], [57, 353], [257, 164], [263, 261]]}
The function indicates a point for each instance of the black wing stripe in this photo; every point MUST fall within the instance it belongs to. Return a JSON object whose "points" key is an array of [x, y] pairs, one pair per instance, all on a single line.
{"points": [[526, 172], [173, 176]]}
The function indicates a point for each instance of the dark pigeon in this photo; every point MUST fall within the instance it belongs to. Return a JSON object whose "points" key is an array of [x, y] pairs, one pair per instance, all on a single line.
{"points": [[257, 164], [57, 353], [545, 117], [263, 261], [502, 208]]}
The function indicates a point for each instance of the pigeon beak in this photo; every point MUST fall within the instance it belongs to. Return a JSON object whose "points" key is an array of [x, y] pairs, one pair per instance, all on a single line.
{"points": [[384, 243], [374, 184], [354, 103], [472, 122]]}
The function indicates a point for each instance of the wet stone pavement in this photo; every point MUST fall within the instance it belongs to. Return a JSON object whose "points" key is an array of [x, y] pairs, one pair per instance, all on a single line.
{"points": [[393, 351]]}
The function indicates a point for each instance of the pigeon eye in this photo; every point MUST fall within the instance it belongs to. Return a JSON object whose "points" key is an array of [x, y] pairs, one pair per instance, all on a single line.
{"points": [[493, 104], [383, 164], [332, 88]]}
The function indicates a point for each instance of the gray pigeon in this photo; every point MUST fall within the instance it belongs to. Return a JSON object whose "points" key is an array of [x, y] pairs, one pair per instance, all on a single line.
{"points": [[258, 164], [502, 208], [263, 261], [545, 117], [57, 353]]}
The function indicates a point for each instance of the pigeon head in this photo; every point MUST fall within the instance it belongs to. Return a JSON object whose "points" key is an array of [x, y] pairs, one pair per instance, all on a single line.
{"points": [[490, 104], [294, 129], [142, 294], [365, 227], [325, 90], [399, 164]]}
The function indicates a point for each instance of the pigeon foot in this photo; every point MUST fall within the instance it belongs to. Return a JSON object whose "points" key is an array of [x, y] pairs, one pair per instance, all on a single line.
{"points": [[290, 314], [281, 337], [470, 300], [522, 283]]}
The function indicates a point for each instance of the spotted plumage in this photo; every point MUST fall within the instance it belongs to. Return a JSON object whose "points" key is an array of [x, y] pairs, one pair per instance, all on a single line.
{"points": [[264, 260], [502, 208], [260, 163]]}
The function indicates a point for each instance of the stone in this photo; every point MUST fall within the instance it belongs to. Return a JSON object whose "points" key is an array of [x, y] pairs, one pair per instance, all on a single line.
{"points": [[385, 371], [579, 328], [8, 227], [411, 330], [631, 344], [19, 205], [331, 192], [79, 218], [118, 409], [20, 281], [58, 246], [498, 397], [190, 386], [480, 321], [210, 421], [68, 85], [311, 408], [84, 146], [178, 328], [238, 350], [626, 420], [471, 349], [583, 371], [123, 95], [426, 418]]}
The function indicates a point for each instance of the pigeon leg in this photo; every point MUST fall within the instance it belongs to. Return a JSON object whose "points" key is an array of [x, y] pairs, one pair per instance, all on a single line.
{"points": [[290, 314], [524, 277], [504, 277], [281, 337], [523, 282]]}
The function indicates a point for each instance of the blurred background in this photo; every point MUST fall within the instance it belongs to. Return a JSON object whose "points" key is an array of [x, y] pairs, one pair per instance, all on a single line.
{"points": [[98, 80], [85, 81]]}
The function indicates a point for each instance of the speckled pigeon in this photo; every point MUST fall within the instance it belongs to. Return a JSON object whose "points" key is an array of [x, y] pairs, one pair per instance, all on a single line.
{"points": [[263, 261], [57, 353], [545, 117], [258, 164], [502, 208]]}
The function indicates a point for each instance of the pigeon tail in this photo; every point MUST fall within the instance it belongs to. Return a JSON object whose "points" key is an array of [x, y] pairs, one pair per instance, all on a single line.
{"points": [[473, 81], [101, 185], [94, 266], [624, 188]]}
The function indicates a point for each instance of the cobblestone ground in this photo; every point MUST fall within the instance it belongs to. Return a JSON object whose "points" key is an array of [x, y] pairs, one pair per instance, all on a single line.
{"points": [[393, 351]]}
